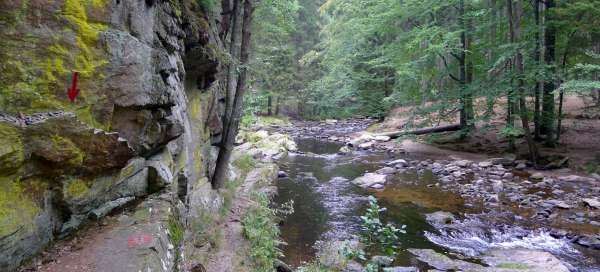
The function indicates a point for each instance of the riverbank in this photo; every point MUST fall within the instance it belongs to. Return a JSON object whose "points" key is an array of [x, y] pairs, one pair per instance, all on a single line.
{"points": [[494, 194]]}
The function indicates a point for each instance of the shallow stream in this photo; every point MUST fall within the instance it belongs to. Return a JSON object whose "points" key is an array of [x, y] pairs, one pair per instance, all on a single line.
{"points": [[327, 208]]}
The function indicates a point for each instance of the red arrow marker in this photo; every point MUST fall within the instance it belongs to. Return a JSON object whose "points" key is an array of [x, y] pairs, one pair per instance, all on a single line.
{"points": [[73, 91]]}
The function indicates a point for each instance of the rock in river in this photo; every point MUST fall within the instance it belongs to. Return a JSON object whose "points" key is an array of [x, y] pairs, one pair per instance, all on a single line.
{"points": [[592, 203], [369, 180], [440, 218]]}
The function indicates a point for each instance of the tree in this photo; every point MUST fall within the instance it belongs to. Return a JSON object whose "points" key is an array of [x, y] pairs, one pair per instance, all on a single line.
{"points": [[232, 125]]}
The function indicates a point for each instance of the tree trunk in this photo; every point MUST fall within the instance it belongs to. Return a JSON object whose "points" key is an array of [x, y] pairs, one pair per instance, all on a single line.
{"points": [[465, 73], [537, 58], [562, 92], [277, 105], [232, 67], [396, 134], [510, 97], [270, 105], [548, 116], [491, 54], [515, 37], [222, 165], [226, 20]]}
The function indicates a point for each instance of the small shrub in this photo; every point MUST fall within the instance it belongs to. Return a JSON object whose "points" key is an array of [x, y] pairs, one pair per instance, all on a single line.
{"points": [[175, 231], [263, 234], [245, 163], [376, 234]]}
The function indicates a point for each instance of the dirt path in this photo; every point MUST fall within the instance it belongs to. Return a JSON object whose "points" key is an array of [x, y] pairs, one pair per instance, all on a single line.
{"points": [[234, 250], [133, 240]]}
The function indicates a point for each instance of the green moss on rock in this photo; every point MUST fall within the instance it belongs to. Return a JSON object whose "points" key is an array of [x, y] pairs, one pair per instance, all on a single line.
{"points": [[37, 76], [11, 148], [66, 151], [17, 210], [76, 188]]}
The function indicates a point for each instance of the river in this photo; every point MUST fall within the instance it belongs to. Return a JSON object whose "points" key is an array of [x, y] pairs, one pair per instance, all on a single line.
{"points": [[327, 208]]}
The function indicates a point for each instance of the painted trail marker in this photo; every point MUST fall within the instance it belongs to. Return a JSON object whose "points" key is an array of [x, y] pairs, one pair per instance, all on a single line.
{"points": [[73, 91]]}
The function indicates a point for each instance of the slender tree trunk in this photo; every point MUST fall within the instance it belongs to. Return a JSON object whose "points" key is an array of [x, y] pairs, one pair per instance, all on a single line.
{"points": [[548, 116], [222, 165], [537, 58], [510, 97], [232, 67], [277, 105], [491, 54], [270, 105], [226, 20], [515, 37], [562, 92], [465, 73]]}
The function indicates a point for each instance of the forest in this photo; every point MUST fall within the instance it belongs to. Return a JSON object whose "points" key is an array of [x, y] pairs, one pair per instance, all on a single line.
{"points": [[300, 135], [334, 59]]}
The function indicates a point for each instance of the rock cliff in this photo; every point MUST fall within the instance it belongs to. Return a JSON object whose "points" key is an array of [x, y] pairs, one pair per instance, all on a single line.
{"points": [[145, 121]]}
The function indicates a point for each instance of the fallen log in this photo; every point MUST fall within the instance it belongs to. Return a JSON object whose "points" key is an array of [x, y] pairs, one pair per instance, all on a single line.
{"points": [[396, 134]]}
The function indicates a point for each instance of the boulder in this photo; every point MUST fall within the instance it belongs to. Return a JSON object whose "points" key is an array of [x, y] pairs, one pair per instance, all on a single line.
{"points": [[381, 138], [589, 241], [464, 163], [523, 260], [400, 269], [366, 145], [382, 261], [537, 177], [443, 262], [592, 203], [344, 150], [440, 218], [386, 171], [558, 204], [508, 161], [361, 139], [575, 178], [399, 163], [485, 164], [370, 180]]}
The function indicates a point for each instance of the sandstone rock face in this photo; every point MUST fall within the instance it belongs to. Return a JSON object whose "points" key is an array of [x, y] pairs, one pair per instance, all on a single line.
{"points": [[146, 119]]}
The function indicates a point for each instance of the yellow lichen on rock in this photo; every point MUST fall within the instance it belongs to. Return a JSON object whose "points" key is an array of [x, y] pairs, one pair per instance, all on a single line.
{"points": [[17, 210], [76, 188], [11, 148], [38, 76]]}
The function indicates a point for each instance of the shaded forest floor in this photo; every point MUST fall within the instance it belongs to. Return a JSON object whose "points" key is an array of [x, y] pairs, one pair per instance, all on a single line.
{"points": [[580, 139]]}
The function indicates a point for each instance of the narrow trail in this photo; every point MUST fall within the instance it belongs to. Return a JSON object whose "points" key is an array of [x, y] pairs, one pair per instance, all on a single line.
{"points": [[233, 249], [132, 240]]}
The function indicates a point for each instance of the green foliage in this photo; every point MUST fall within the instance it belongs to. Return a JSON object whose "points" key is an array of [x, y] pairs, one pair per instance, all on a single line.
{"points": [[384, 237], [245, 163], [175, 231], [262, 232]]}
